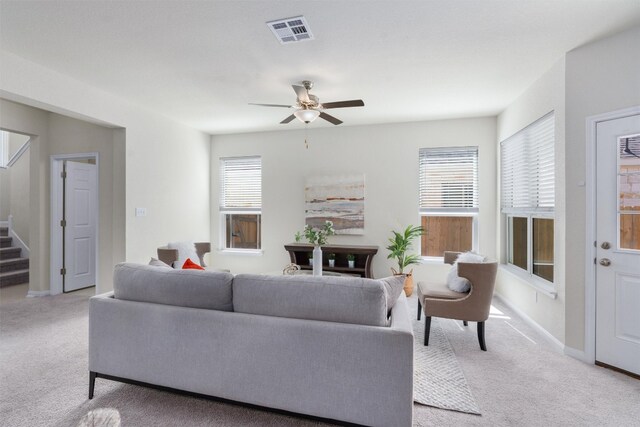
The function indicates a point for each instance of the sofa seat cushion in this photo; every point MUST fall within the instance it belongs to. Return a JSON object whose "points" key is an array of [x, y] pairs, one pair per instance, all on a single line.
{"points": [[333, 299], [438, 290], [185, 288]]}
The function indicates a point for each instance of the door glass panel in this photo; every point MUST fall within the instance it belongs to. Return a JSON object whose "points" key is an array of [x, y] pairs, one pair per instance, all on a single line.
{"points": [[629, 192]]}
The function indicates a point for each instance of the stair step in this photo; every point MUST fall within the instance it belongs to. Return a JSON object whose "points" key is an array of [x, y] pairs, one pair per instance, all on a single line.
{"points": [[5, 241], [9, 253], [4, 231], [14, 278], [14, 264]]}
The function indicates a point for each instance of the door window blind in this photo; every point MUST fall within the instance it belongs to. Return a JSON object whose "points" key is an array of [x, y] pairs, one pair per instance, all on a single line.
{"points": [[528, 168], [449, 179], [241, 184]]}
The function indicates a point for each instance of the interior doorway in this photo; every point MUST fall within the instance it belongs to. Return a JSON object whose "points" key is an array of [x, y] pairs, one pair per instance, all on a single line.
{"points": [[616, 224], [74, 221]]}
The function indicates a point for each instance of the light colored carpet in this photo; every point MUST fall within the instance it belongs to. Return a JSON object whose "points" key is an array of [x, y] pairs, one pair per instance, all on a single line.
{"points": [[438, 379], [44, 379]]}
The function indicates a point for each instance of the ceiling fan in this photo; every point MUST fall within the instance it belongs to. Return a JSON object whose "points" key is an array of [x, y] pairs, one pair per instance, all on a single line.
{"points": [[309, 108]]}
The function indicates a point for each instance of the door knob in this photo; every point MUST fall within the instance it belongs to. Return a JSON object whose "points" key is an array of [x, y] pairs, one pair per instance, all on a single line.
{"points": [[605, 245], [605, 261]]}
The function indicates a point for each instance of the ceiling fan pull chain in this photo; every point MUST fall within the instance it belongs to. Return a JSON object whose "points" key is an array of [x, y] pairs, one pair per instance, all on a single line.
{"points": [[306, 134]]}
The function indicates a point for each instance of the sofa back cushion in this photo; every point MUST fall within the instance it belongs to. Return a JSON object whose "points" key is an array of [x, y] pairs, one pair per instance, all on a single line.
{"points": [[185, 288], [334, 299]]}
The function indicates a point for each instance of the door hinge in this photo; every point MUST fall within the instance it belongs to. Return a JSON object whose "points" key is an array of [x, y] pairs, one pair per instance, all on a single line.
{"points": [[595, 243], [63, 174], [63, 223], [594, 261], [63, 271]]}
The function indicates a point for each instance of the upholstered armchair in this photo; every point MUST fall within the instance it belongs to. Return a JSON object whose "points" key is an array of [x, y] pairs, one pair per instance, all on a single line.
{"points": [[437, 300], [169, 255]]}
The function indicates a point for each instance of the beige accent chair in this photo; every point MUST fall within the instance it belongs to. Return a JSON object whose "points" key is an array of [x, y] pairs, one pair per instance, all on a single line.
{"points": [[437, 300], [169, 256]]}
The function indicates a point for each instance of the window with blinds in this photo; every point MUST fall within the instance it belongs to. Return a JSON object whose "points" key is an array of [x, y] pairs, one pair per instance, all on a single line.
{"points": [[241, 184], [241, 202], [528, 168], [448, 199], [527, 163], [449, 179]]}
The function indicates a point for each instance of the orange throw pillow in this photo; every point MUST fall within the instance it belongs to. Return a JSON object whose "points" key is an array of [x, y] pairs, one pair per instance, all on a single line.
{"points": [[190, 265]]}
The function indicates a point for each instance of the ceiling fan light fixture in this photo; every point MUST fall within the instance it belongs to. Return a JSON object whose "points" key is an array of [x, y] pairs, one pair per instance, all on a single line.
{"points": [[307, 116]]}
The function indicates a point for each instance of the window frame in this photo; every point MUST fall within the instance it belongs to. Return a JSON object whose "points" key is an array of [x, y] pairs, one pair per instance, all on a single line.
{"points": [[540, 209], [453, 211], [224, 211]]}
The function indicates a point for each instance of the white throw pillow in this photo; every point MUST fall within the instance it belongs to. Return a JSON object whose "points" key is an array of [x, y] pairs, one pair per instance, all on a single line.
{"points": [[185, 250], [457, 283], [157, 263]]}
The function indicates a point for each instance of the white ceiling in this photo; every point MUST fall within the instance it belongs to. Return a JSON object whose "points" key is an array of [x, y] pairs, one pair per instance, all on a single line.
{"points": [[201, 62]]}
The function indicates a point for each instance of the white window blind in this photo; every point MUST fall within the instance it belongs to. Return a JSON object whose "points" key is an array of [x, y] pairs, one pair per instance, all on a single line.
{"points": [[449, 179], [527, 168], [241, 184]]}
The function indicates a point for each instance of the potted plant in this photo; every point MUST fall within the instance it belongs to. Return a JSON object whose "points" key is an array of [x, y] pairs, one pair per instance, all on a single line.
{"points": [[351, 259], [332, 260], [399, 245], [310, 258], [317, 237]]}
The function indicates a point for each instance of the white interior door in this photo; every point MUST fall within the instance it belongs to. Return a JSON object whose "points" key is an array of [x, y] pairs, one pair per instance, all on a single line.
{"points": [[80, 232], [618, 243]]}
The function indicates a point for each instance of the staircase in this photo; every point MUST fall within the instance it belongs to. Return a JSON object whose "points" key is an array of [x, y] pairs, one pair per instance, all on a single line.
{"points": [[14, 270]]}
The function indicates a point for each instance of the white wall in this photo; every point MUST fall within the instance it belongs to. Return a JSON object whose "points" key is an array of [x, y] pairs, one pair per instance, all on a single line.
{"points": [[386, 154], [14, 187], [545, 95], [70, 136], [602, 76], [166, 168], [20, 118]]}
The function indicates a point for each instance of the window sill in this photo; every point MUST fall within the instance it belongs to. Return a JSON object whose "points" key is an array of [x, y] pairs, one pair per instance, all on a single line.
{"points": [[243, 252], [539, 285], [431, 260]]}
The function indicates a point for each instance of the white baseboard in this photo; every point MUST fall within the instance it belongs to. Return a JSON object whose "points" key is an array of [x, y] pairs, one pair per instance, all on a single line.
{"points": [[555, 342], [19, 243], [578, 354], [35, 294]]}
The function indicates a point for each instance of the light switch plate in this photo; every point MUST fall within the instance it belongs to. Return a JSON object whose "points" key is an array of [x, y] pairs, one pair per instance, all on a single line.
{"points": [[141, 211]]}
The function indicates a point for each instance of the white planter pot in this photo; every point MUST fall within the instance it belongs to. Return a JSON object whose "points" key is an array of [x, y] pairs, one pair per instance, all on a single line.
{"points": [[332, 263], [352, 264]]}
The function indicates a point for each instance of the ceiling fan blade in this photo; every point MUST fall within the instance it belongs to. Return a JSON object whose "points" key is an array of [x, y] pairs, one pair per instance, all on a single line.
{"points": [[330, 119], [343, 104], [272, 105], [287, 120], [301, 93]]}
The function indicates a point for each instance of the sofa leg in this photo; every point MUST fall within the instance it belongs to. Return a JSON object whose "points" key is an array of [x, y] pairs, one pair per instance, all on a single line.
{"points": [[92, 383], [419, 309], [465, 323], [483, 346], [427, 329]]}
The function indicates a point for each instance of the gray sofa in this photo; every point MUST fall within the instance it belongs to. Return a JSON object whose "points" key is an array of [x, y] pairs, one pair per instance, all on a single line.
{"points": [[319, 346]]}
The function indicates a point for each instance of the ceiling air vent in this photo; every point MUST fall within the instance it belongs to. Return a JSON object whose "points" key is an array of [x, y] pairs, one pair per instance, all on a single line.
{"points": [[291, 30]]}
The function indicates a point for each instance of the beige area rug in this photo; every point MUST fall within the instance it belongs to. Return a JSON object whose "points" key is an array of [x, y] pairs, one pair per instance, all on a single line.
{"points": [[438, 379]]}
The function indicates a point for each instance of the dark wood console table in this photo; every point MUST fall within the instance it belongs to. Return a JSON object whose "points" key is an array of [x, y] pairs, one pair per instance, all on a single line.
{"points": [[300, 252]]}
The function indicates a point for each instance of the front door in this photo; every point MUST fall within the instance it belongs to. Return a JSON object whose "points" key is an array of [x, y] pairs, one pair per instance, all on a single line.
{"points": [[618, 243], [80, 231]]}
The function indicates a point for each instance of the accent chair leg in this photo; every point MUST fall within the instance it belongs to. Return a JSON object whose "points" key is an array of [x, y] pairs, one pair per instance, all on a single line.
{"points": [[419, 309], [92, 383], [483, 346], [465, 323], [427, 329]]}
